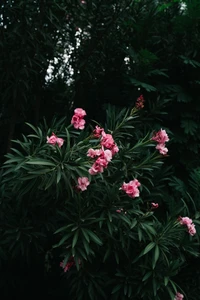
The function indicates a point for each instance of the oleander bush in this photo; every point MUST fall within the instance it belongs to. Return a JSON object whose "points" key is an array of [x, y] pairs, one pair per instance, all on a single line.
{"points": [[90, 199]]}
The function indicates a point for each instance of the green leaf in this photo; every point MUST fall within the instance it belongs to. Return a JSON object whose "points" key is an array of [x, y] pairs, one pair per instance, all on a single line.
{"points": [[166, 280], [147, 275], [63, 228], [65, 238], [41, 162], [58, 175], [106, 254], [134, 222], [86, 236], [148, 248], [160, 72], [75, 238], [189, 126], [94, 237], [68, 140], [156, 256], [116, 288], [147, 87], [86, 246]]}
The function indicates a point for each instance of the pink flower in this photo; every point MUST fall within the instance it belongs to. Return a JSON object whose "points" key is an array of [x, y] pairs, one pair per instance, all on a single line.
{"points": [[162, 149], [92, 153], [95, 169], [154, 205], [83, 183], [77, 119], [191, 229], [107, 154], [81, 113], [140, 102], [188, 222], [179, 296], [60, 142], [161, 137], [114, 149], [53, 140], [98, 131], [68, 265], [185, 221], [131, 188], [102, 162], [119, 210], [135, 182], [78, 122], [107, 140]]}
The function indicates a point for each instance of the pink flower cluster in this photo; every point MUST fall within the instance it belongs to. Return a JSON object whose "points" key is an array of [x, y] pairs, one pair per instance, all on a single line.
{"points": [[98, 131], [53, 140], [179, 296], [83, 183], [190, 225], [161, 138], [103, 156], [77, 119], [140, 102], [107, 140], [68, 265], [131, 188]]}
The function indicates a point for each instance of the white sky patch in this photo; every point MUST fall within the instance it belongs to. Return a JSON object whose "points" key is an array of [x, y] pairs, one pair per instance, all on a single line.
{"points": [[65, 61], [127, 60]]}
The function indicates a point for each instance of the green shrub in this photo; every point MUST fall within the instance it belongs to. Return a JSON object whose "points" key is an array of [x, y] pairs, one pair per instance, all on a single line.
{"points": [[99, 213]]}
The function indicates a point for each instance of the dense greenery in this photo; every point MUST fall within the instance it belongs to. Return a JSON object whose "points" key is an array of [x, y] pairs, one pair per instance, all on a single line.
{"points": [[117, 50], [118, 245]]}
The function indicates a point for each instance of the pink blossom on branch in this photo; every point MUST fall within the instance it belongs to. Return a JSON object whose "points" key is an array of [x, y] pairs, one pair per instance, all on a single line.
{"points": [[104, 155], [77, 119], [114, 149], [53, 140], [162, 149], [191, 229], [179, 296], [154, 205], [98, 131], [185, 221], [107, 155], [140, 102], [95, 169], [189, 223], [107, 140], [83, 183], [161, 137], [131, 188], [94, 152], [68, 265], [81, 113], [60, 142], [102, 161], [78, 122]]}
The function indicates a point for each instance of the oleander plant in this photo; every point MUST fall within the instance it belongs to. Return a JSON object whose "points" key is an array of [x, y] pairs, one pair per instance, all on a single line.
{"points": [[89, 198]]}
